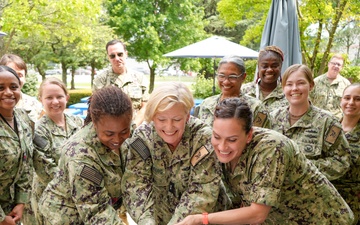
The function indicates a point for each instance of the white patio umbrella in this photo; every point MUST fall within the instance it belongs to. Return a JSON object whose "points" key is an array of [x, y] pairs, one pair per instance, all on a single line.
{"points": [[2, 34], [213, 47]]}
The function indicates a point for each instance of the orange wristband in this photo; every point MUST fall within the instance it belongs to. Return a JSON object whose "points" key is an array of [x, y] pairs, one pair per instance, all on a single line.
{"points": [[205, 218]]}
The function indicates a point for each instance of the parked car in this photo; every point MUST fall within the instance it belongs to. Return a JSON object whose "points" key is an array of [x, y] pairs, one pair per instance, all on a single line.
{"points": [[52, 72]]}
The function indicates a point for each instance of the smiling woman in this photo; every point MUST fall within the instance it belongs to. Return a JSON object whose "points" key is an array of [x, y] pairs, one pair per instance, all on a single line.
{"points": [[88, 180], [266, 174], [172, 170], [16, 149], [316, 131]]}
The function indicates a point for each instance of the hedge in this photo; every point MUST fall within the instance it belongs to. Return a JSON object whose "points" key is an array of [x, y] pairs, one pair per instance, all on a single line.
{"points": [[77, 94]]}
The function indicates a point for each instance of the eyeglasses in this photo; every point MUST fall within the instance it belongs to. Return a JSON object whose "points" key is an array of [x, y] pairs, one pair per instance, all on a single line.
{"points": [[336, 64], [119, 54], [231, 78]]}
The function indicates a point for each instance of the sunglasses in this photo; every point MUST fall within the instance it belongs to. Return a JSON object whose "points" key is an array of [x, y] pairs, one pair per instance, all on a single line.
{"points": [[120, 54]]}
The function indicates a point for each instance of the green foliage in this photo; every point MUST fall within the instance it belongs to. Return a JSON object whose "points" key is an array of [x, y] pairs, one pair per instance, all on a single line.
{"points": [[352, 73], [319, 23], [31, 85], [153, 28], [250, 66], [203, 87], [77, 95]]}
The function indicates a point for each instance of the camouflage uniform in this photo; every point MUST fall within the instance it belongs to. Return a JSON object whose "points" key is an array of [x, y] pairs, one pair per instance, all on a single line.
{"points": [[134, 84], [273, 101], [86, 189], [163, 187], [349, 185], [32, 106], [328, 96], [48, 140], [16, 152], [207, 109], [320, 136], [273, 171]]}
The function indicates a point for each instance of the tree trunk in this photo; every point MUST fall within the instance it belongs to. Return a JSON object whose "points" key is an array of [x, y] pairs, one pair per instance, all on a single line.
{"points": [[335, 22]]}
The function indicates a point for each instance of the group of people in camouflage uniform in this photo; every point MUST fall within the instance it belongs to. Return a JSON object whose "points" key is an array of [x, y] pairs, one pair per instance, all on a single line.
{"points": [[262, 152]]}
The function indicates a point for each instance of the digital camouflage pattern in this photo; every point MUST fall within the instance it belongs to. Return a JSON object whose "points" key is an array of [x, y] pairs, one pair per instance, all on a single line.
{"points": [[86, 189], [349, 185], [207, 109], [273, 171], [328, 96], [163, 187], [273, 101], [320, 137], [31, 105], [47, 142], [16, 151], [134, 84]]}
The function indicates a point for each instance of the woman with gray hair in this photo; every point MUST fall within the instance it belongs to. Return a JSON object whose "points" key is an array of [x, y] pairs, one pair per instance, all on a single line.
{"points": [[171, 169], [230, 76]]}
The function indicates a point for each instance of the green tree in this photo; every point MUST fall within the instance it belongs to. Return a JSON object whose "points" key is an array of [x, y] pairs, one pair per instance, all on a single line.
{"points": [[153, 28], [319, 21], [55, 29]]}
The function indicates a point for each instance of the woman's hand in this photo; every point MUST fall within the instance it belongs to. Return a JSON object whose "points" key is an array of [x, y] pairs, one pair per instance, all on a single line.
{"points": [[192, 220], [8, 221], [17, 212]]}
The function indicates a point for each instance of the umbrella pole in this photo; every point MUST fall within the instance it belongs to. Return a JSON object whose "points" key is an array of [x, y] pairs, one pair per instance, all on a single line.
{"points": [[213, 88]]}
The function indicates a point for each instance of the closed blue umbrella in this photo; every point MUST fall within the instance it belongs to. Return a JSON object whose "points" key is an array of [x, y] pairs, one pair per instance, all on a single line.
{"points": [[282, 29]]}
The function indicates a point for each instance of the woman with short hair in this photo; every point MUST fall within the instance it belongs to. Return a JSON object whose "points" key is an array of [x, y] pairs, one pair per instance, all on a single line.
{"points": [[172, 170]]}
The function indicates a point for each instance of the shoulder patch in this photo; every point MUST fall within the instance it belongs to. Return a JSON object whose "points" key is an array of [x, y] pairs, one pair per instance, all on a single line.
{"points": [[199, 155], [40, 141], [260, 119], [333, 134], [140, 148], [92, 175]]}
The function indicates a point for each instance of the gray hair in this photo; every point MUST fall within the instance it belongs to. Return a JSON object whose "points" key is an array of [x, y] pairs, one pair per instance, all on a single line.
{"points": [[237, 60]]}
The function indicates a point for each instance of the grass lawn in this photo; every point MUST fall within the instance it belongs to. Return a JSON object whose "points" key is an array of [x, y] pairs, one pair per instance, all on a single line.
{"points": [[82, 82]]}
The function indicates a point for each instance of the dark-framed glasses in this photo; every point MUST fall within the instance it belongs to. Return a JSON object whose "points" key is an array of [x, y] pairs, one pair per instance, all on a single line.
{"points": [[231, 78], [336, 64], [119, 54]]}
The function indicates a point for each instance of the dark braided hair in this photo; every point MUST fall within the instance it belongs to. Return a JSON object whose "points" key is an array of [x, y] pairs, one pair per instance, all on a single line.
{"points": [[108, 101], [235, 108], [274, 49], [9, 69]]}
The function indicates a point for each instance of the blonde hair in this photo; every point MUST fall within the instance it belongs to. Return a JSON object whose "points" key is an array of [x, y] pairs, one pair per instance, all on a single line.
{"points": [[301, 68], [337, 56], [52, 80], [166, 96]]}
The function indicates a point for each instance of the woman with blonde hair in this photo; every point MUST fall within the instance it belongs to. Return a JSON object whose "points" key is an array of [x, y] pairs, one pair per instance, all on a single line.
{"points": [[52, 130], [316, 131], [172, 170]]}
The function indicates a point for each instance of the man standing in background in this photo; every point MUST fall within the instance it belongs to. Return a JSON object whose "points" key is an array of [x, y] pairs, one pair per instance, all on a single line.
{"points": [[329, 87], [134, 84]]}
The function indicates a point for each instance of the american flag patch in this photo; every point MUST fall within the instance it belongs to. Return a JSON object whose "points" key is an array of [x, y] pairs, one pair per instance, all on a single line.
{"points": [[92, 175]]}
